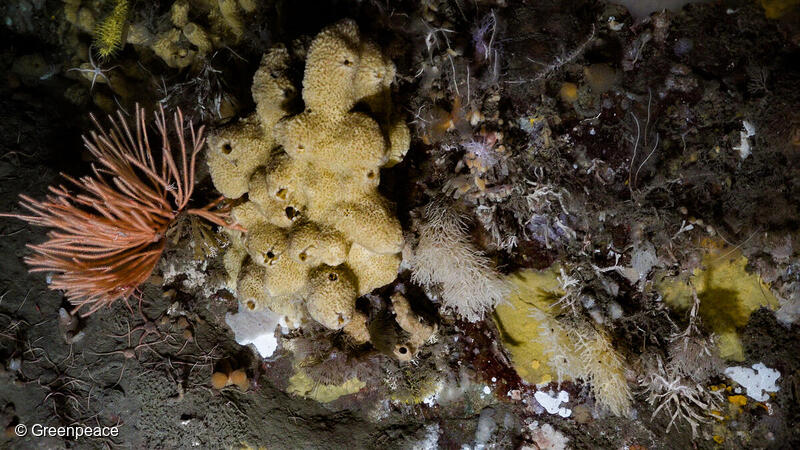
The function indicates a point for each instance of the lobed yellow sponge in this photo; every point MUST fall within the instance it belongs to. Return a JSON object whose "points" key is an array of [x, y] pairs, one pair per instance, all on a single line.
{"points": [[332, 294], [372, 271], [234, 153], [304, 386], [418, 331], [318, 232]]}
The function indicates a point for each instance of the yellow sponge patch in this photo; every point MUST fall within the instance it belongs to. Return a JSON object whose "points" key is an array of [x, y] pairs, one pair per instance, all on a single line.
{"points": [[369, 223], [331, 300], [286, 277], [302, 385], [521, 331], [272, 90], [728, 295], [251, 284], [372, 270], [314, 245], [266, 243], [233, 153]]}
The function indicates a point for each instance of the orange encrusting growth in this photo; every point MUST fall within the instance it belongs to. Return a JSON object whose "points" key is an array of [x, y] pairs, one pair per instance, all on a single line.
{"points": [[108, 237]]}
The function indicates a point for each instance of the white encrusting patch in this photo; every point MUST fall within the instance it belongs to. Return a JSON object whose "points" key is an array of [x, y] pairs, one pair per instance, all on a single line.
{"points": [[552, 403], [255, 327], [759, 381]]}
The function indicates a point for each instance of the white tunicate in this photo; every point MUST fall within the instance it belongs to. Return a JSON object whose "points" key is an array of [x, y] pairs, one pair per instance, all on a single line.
{"points": [[597, 316], [486, 428], [744, 148]]}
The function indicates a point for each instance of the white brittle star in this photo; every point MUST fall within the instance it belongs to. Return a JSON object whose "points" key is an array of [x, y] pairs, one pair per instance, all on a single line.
{"points": [[96, 71]]}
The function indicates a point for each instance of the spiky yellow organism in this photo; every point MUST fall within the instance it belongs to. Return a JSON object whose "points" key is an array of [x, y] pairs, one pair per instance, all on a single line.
{"points": [[109, 32]]}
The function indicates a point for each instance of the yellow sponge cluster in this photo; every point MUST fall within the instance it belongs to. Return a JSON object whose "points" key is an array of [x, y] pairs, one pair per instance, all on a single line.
{"points": [[318, 232]]}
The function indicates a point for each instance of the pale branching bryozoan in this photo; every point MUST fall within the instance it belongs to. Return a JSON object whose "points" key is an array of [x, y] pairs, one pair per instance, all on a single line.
{"points": [[445, 258], [678, 388], [578, 350], [604, 368]]}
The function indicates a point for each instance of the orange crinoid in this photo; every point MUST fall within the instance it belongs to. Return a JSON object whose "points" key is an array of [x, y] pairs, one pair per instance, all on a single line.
{"points": [[108, 235]]}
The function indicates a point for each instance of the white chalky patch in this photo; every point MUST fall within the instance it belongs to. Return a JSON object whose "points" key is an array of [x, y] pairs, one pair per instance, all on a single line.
{"points": [[758, 381], [744, 148], [255, 327], [552, 404]]}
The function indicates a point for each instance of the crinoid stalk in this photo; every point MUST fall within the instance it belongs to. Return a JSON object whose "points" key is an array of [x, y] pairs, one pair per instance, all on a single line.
{"points": [[108, 233]]}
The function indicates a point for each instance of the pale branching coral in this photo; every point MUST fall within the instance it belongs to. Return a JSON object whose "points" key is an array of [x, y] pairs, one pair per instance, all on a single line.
{"points": [[581, 351], [318, 232], [446, 258], [693, 354], [557, 345], [679, 387], [561, 344], [679, 397]]}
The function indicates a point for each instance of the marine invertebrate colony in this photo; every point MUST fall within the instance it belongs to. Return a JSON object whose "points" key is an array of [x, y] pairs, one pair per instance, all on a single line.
{"points": [[446, 258], [551, 343], [108, 237], [318, 232], [109, 32], [679, 387], [727, 294]]}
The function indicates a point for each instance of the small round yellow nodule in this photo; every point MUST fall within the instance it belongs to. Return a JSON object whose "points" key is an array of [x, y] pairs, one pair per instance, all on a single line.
{"points": [[239, 378], [219, 380], [569, 92]]}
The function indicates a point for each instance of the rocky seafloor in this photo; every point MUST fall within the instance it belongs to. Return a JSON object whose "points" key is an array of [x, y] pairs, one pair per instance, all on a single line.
{"points": [[443, 224]]}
